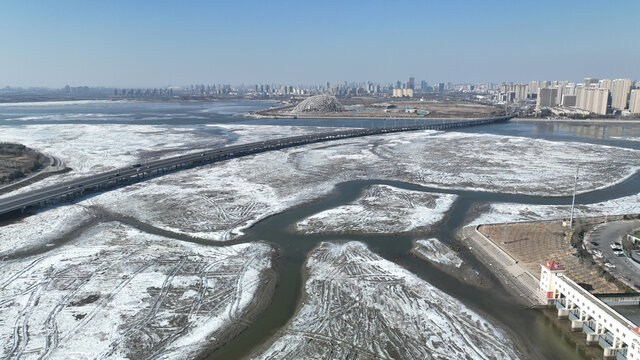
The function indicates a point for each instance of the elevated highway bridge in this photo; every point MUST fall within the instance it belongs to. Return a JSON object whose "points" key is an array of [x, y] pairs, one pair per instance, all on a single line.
{"points": [[104, 181]]}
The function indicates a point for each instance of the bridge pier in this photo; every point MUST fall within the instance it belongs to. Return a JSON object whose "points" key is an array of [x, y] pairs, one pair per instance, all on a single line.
{"points": [[576, 325], [563, 313], [592, 339]]}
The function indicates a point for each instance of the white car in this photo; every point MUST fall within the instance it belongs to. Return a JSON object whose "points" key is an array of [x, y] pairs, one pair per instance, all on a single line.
{"points": [[597, 253], [610, 265]]}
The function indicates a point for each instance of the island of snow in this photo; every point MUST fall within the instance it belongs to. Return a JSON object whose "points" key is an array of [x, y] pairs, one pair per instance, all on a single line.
{"points": [[437, 252], [381, 209], [359, 305], [117, 292]]}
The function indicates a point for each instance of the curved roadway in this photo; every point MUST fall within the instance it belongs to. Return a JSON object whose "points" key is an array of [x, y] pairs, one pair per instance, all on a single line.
{"points": [[138, 172]]}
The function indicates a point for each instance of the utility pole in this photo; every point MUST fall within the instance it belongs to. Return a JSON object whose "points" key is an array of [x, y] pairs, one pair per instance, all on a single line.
{"points": [[573, 200]]}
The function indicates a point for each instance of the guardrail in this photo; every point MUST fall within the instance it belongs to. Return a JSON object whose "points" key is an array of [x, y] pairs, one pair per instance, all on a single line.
{"points": [[620, 299], [138, 172]]}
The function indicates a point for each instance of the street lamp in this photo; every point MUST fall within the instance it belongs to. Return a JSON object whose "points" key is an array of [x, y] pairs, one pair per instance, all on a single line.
{"points": [[573, 200]]}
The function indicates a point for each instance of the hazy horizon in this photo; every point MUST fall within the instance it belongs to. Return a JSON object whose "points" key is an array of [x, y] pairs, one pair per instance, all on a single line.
{"points": [[156, 44]]}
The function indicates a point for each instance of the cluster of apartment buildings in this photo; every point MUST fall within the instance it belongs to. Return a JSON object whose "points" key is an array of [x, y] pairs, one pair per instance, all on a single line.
{"points": [[593, 96]]}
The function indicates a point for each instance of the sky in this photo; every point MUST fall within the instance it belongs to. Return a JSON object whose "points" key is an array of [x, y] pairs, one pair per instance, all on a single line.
{"points": [[160, 43]]}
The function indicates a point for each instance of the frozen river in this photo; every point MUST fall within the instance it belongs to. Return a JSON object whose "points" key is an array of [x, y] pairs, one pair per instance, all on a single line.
{"points": [[199, 124]]}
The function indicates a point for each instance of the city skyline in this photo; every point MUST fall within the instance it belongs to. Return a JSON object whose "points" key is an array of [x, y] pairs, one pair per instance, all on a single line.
{"points": [[157, 44]]}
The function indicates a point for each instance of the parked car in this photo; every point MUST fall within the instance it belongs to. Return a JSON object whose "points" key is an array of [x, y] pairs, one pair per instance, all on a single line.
{"points": [[610, 265], [594, 243], [618, 253]]}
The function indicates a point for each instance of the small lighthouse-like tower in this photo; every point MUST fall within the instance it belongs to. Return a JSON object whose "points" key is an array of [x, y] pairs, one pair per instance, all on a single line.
{"points": [[549, 271]]}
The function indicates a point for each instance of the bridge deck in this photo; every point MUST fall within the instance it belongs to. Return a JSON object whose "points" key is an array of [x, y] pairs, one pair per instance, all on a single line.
{"points": [[122, 176]]}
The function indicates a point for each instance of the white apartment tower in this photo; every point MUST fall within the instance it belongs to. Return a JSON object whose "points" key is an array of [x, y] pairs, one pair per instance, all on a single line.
{"points": [[620, 93], [521, 91], [634, 102], [592, 100], [534, 86], [604, 84]]}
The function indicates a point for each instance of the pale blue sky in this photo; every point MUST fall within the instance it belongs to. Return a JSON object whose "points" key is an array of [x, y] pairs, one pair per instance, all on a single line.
{"points": [[158, 43]]}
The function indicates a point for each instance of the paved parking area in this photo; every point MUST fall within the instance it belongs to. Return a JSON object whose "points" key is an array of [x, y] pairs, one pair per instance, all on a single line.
{"points": [[601, 239]]}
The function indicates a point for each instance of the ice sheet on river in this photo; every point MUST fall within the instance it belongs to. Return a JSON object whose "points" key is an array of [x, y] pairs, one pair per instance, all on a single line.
{"points": [[116, 292], [41, 229], [359, 305], [92, 148], [218, 201], [381, 209], [508, 212]]}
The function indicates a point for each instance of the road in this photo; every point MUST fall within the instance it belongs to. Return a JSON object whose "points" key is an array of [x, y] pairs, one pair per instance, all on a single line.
{"points": [[138, 172], [607, 234]]}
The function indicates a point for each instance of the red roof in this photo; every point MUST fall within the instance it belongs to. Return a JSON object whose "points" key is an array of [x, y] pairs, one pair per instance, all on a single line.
{"points": [[553, 265], [637, 330]]}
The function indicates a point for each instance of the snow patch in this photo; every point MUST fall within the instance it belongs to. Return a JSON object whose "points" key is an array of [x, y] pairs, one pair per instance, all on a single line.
{"points": [[381, 209]]}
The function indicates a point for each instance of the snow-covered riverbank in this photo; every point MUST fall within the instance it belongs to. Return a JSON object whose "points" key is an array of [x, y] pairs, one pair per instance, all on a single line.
{"points": [[359, 305], [118, 292]]}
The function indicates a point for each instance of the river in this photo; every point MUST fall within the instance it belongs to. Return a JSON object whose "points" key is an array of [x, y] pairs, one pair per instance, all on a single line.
{"points": [[537, 335]]}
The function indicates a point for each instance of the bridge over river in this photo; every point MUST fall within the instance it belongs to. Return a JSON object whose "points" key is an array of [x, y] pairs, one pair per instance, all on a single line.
{"points": [[104, 181]]}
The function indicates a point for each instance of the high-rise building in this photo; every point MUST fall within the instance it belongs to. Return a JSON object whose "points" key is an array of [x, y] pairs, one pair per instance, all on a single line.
{"points": [[411, 84], [521, 91], [592, 100], [605, 84], [534, 86], [423, 85], [568, 100], [634, 102], [620, 93], [547, 97], [590, 82], [402, 92], [440, 86]]}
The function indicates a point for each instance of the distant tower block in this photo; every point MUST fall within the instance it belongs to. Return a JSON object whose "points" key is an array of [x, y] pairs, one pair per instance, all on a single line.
{"points": [[548, 274]]}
